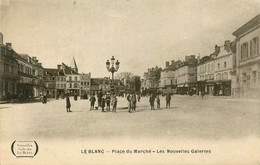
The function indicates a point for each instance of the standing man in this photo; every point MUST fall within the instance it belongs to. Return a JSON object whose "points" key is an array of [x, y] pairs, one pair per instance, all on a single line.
{"points": [[92, 102], [99, 96], [139, 97], [133, 99], [103, 103], [168, 100], [114, 103], [128, 97], [158, 101], [68, 105], [108, 99], [151, 100]]}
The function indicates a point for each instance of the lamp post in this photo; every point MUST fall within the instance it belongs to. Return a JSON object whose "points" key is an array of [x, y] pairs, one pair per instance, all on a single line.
{"points": [[113, 68]]}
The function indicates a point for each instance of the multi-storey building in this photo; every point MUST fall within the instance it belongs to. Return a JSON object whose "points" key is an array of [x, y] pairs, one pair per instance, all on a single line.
{"points": [[151, 80], [85, 81], [105, 86], [185, 75], [8, 71], [72, 79], [248, 59]]}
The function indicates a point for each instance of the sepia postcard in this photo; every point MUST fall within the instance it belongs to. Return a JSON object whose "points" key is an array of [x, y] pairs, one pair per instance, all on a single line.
{"points": [[129, 82]]}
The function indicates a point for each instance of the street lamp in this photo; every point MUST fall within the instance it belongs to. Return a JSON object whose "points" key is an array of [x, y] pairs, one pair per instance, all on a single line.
{"points": [[113, 68]]}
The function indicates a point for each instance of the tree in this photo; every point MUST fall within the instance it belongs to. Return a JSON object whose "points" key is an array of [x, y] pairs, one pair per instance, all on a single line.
{"points": [[124, 76]]}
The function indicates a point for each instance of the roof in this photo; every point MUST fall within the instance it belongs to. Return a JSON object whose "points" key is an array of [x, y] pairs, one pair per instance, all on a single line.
{"points": [[247, 26]]}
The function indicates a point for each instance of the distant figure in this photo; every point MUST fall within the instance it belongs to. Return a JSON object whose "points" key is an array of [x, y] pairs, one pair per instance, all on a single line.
{"points": [[202, 94], [158, 101], [114, 103], [138, 97], [75, 97], [92, 102], [103, 103], [99, 96], [108, 100], [133, 100], [151, 100], [68, 105], [128, 97], [168, 100], [44, 100]]}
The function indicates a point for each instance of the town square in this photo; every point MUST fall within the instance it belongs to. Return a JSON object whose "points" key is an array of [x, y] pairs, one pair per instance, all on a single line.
{"points": [[129, 82]]}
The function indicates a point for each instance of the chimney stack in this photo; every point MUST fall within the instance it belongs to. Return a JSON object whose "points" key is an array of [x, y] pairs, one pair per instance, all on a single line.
{"points": [[217, 49], [58, 66], [172, 62], [9, 45], [227, 45], [167, 63]]}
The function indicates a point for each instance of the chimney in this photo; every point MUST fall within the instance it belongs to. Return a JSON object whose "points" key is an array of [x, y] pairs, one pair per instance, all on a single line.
{"points": [[34, 59], [9, 45], [1, 39], [227, 45], [217, 49], [167, 63], [40, 64], [58, 66], [172, 62]]}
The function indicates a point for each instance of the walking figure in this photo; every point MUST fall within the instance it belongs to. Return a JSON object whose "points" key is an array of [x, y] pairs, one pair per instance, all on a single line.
{"points": [[114, 103], [139, 97], [151, 100], [75, 97], [44, 99], [158, 101], [92, 102], [103, 103], [128, 97], [108, 99], [133, 100], [168, 100], [68, 105]]}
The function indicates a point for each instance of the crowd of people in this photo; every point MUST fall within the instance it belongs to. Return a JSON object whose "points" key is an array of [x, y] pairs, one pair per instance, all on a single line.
{"points": [[108, 102]]}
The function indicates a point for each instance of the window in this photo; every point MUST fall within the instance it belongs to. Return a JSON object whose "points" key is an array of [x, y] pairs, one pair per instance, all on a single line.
{"points": [[75, 85], [81, 83], [58, 78], [218, 66], [70, 85], [76, 78], [208, 67], [244, 51], [254, 47], [12, 69], [6, 68], [69, 78], [225, 64]]}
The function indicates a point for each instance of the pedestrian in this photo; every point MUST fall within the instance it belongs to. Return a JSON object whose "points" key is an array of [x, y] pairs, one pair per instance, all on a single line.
{"points": [[68, 105], [75, 97], [92, 102], [202, 94], [133, 99], [44, 99], [168, 100], [158, 101], [103, 103], [151, 100], [99, 96], [128, 97], [108, 100], [139, 97], [114, 103]]}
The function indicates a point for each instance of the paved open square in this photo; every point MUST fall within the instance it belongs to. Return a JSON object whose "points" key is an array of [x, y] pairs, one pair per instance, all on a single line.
{"points": [[189, 117]]}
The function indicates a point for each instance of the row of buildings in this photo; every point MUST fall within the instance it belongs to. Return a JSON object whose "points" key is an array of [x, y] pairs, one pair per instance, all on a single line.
{"points": [[232, 69], [23, 77]]}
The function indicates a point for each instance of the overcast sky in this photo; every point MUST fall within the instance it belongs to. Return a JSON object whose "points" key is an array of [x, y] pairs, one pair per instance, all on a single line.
{"points": [[141, 34]]}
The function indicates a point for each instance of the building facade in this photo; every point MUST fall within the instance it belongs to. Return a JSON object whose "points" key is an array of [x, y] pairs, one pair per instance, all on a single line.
{"points": [[9, 77], [248, 59]]}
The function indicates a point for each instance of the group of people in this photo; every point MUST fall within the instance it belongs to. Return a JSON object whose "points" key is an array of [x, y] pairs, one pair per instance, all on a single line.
{"points": [[132, 99], [154, 97], [104, 101]]}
